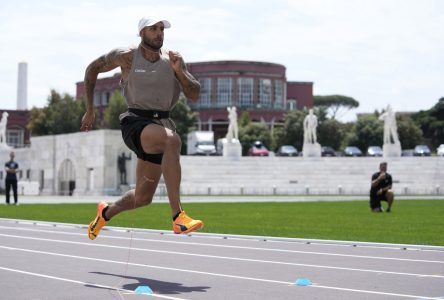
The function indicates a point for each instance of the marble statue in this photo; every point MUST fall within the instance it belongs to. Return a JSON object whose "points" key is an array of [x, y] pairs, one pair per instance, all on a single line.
{"points": [[390, 128], [310, 148], [390, 149], [231, 147], [310, 124], [233, 130], [3, 123]]}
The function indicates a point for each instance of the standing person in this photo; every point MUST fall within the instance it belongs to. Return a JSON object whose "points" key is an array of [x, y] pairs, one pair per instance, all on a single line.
{"points": [[11, 168], [151, 80], [381, 189]]}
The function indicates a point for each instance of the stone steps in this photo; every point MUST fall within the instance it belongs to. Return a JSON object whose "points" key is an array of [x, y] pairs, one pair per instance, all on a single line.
{"points": [[333, 175]]}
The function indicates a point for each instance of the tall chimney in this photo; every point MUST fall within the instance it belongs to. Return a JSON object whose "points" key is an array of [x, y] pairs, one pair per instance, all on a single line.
{"points": [[22, 86]]}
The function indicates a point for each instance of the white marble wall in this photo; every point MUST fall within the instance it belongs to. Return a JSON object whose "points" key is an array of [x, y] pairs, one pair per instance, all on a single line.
{"points": [[308, 176], [98, 151], [93, 158]]}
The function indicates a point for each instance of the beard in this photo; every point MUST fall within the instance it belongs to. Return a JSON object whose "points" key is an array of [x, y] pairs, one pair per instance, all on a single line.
{"points": [[154, 44]]}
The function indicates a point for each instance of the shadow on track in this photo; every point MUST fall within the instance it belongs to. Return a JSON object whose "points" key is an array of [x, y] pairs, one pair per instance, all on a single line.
{"points": [[158, 287]]}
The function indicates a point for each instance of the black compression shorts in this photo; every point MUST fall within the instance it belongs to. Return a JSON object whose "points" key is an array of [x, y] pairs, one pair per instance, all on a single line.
{"points": [[131, 127]]}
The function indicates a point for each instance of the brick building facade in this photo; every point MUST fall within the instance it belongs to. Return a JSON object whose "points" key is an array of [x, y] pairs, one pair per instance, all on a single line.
{"points": [[260, 88]]}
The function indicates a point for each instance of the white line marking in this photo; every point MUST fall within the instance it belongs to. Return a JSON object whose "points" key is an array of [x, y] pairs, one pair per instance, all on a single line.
{"points": [[147, 266], [202, 235], [228, 257], [207, 273], [238, 247], [85, 283], [373, 292]]}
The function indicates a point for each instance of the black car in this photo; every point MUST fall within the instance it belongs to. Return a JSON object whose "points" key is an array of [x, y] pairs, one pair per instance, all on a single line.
{"points": [[352, 151], [422, 150], [287, 150], [328, 151]]}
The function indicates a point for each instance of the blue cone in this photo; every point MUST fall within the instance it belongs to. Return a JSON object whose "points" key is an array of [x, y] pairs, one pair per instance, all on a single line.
{"points": [[303, 282], [143, 289]]}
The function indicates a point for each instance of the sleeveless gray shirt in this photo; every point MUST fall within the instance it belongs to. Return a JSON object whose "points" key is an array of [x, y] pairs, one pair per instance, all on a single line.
{"points": [[151, 86]]}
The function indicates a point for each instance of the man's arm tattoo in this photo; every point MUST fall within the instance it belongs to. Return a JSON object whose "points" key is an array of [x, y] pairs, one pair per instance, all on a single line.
{"points": [[91, 73], [102, 64], [190, 86]]}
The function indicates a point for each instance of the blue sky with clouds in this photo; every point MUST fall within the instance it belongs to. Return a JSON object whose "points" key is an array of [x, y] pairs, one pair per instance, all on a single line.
{"points": [[378, 51]]}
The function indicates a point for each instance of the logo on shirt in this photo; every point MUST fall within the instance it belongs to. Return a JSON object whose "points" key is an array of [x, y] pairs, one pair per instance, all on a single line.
{"points": [[139, 71]]}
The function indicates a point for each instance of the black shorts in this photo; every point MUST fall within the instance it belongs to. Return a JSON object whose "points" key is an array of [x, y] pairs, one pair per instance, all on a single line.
{"points": [[131, 127], [375, 200]]}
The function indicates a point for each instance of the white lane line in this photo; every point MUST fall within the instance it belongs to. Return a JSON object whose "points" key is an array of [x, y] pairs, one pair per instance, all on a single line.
{"points": [[271, 239], [229, 258], [237, 247], [85, 283], [374, 292], [218, 274], [146, 266]]}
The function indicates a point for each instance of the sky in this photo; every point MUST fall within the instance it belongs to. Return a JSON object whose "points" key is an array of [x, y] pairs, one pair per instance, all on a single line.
{"points": [[380, 52]]}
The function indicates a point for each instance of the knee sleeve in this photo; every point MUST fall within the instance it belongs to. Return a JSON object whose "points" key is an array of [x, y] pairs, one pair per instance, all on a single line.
{"points": [[153, 158]]}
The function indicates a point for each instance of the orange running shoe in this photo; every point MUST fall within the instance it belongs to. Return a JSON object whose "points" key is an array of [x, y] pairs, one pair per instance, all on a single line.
{"points": [[185, 224], [96, 225]]}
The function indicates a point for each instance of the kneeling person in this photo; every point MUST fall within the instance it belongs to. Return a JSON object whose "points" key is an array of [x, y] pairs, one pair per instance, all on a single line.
{"points": [[381, 189]]}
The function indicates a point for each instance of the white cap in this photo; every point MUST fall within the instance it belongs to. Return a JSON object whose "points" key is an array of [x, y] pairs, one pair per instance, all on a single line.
{"points": [[150, 21]]}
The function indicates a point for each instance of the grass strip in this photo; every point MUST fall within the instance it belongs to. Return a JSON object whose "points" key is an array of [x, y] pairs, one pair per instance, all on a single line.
{"points": [[411, 222]]}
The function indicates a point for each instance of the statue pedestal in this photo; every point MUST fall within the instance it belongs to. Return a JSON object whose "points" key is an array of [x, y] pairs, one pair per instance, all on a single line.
{"points": [[232, 149], [311, 150], [4, 146], [391, 150], [124, 188]]}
